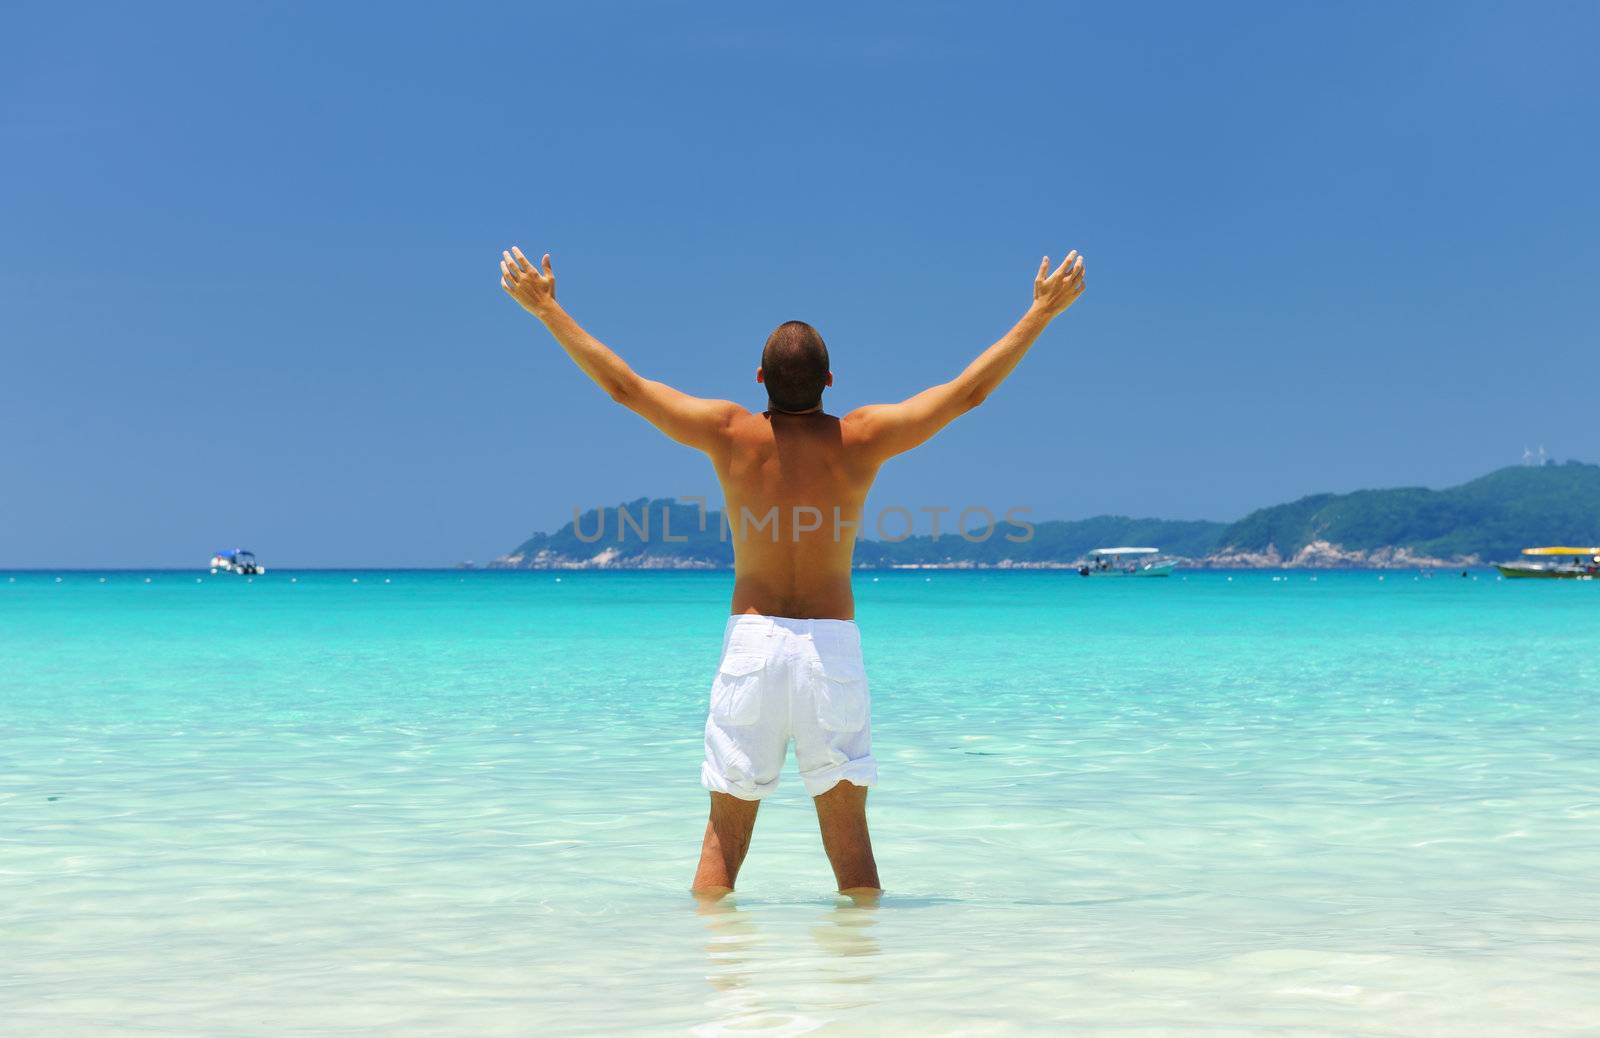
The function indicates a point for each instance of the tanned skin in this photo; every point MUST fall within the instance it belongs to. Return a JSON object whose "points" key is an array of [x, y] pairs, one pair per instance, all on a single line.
{"points": [[795, 485]]}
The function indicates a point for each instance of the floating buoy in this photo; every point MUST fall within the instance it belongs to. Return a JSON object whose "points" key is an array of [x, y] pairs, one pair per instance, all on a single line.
{"points": [[58, 580], [197, 580], [294, 580], [147, 580], [558, 580], [386, 580], [355, 580]]}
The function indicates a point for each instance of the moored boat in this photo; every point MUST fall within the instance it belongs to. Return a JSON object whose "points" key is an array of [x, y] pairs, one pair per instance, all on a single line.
{"points": [[1126, 562], [236, 560], [1555, 562]]}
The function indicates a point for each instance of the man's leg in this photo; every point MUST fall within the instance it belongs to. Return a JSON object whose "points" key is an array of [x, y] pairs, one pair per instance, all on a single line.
{"points": [[727, 840], [842, 814]]}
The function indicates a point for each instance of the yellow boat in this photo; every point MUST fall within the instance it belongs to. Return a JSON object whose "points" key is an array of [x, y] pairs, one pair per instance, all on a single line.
{"points": [[1567, 563]]}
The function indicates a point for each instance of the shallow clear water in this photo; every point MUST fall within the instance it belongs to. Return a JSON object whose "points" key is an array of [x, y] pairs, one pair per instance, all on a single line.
{"points": [[469, 803]]}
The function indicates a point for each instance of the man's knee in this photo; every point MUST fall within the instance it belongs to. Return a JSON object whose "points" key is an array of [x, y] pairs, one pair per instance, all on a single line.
{"points": [[844, 803], [732, 811]]}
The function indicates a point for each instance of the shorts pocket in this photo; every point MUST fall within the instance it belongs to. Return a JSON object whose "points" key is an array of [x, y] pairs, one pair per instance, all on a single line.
{"points": [[841, 695], [736, 692]]}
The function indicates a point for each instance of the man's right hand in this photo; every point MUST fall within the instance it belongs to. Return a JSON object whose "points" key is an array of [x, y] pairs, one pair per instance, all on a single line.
{"points": [[1053, 293], [533, 287]]}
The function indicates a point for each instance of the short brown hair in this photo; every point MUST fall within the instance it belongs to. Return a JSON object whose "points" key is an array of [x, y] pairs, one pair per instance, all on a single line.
{"points": [[794, 365]]}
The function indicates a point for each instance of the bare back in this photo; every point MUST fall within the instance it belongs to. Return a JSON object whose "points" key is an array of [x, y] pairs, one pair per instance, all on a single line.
{"points": [[795, 487]]}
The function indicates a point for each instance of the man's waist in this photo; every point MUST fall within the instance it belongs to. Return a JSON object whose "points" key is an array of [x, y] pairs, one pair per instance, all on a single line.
{"points": [[796, 623]]}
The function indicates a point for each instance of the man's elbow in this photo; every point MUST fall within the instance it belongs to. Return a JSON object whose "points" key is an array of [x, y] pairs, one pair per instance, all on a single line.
{"points": [[975, 397], [623, 390]]}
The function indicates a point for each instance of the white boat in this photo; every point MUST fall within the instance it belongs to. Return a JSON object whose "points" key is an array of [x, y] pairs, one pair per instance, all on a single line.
{"points": [[236, 560], [1126, 562]]}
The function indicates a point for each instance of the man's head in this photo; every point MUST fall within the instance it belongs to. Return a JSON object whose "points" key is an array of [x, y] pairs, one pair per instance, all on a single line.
{"points": [[794, 367]]}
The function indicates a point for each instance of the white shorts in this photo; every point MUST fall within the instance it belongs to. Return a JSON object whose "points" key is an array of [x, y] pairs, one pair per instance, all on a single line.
{"points": [[781, 679]]}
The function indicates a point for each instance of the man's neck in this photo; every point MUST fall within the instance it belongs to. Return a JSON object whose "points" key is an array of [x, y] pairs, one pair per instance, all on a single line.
{"points": [[775, 409]]}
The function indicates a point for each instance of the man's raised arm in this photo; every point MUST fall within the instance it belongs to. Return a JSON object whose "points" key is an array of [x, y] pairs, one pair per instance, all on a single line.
{"points": [[890, 429], [690, 420]]}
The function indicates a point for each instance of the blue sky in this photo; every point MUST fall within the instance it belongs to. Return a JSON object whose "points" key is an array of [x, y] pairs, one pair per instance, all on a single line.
{"points": [[247, 256]]}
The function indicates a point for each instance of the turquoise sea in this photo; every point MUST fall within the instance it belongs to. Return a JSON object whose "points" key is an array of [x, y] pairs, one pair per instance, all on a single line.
{"points": [[468, 803]]}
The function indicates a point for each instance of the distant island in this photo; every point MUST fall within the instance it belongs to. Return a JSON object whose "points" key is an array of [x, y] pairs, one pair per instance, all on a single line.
{"points": [[1490, 518]]}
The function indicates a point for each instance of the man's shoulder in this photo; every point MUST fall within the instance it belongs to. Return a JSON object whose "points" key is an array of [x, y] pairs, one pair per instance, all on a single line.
{"points": [[858, 429], [743, 422]]}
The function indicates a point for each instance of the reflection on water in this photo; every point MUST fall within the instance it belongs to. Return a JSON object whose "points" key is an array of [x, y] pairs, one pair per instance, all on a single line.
{"points": [[761, 988], [846, 933], [731, 943]]}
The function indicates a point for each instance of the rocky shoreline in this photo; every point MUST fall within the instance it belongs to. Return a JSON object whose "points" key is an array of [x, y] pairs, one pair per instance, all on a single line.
{"points": [[1323, 555], [610, 558]]}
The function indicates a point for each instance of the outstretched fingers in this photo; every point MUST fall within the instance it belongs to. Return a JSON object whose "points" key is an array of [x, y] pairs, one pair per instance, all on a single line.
{"points": [[1066, 264], [528, 283], [1044, 268], [515, 266]]}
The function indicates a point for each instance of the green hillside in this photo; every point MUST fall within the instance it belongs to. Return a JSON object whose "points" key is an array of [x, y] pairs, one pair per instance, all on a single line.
{"points": [[1492, 517], [661, 522]]}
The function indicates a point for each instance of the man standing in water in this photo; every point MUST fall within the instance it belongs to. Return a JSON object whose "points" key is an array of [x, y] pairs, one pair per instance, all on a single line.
{"points": [[795, 482]]}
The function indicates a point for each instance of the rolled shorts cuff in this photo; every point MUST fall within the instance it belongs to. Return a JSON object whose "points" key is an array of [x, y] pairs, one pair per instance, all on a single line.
{"points": [[744, 790], [863, 772]]}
